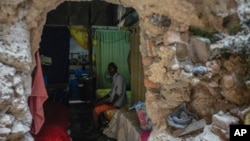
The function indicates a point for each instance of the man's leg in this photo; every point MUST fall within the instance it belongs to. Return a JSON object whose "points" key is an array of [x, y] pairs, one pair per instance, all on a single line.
{"points": [[98, 110]]}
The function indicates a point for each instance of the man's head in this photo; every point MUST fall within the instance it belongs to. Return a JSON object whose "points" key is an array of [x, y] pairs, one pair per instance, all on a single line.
{"points": [[112, 68]]}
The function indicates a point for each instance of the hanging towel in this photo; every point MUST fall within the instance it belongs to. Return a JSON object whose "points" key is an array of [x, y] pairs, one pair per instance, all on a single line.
{"points": [[38, 97]]}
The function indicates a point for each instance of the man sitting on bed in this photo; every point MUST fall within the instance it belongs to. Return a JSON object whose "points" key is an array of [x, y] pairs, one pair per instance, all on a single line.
{"points": [[116, 98]]}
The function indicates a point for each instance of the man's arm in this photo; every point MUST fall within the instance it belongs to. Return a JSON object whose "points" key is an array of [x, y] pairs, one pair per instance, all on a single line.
{"points": [[118, 89], [114, 99], [103, 100], [106, 100]]}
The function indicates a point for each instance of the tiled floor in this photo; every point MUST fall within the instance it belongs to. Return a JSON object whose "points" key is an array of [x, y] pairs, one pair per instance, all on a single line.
{"points": [[81, 123]]}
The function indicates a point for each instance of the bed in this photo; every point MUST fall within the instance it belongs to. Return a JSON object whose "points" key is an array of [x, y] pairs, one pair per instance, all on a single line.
{"points": [[56, 123], [124, 124]]}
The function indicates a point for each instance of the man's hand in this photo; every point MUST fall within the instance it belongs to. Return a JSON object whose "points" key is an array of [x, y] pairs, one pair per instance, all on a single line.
{"points": [[103, 100], [114, 99]]}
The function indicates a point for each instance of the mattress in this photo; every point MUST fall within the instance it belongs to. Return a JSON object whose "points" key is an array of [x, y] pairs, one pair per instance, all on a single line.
{"points": [[124, 126]]}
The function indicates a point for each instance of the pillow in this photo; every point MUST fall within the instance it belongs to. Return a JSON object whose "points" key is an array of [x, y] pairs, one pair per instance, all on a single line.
{"points": [[145, 122]]}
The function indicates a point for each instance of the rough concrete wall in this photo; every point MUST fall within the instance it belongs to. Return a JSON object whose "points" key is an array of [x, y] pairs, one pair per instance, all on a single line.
{"points": [[193, 53], [21, 24]]}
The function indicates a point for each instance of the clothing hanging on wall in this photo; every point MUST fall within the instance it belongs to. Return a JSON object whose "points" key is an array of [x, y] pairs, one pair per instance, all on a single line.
{"points": [[38, 97]]}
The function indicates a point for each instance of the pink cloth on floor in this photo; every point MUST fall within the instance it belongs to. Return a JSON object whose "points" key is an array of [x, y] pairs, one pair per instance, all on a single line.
{"points": [[38, 97]]}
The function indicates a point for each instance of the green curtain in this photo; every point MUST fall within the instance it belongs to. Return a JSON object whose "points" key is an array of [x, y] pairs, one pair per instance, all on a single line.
{"points": [[111, 46]]}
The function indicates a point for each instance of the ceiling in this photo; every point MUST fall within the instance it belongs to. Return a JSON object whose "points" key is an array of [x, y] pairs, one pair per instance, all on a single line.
{"points": [[89, 13]]}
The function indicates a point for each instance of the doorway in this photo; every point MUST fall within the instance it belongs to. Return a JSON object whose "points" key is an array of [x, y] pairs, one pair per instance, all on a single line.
{"points": [[84, 60]]}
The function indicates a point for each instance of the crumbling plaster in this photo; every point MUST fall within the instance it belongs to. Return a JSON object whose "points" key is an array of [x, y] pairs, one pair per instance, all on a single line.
{"points": [[192, 53]]}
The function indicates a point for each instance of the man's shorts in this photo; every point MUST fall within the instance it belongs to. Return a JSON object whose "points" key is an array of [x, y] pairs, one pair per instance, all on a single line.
{"points": [[102, 108]]}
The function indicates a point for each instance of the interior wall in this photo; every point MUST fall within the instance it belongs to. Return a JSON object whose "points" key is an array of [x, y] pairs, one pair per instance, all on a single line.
{"points": [[76, 51], [76, 48], [136, 68], [55, 44], [85, 13]]}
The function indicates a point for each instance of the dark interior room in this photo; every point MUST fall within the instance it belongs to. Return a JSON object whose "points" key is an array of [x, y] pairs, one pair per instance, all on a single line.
{"points": [[78, 41]]}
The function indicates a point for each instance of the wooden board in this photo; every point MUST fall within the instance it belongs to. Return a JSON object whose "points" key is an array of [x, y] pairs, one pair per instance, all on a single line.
{"points": [[195, 126]]}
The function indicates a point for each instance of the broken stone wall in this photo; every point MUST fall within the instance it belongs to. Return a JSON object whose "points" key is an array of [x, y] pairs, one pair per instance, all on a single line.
{"points": [[194, 52]]}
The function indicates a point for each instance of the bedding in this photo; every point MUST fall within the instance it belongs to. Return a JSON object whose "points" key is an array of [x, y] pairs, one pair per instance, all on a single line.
{"points": [[56, 123], [124, 126], [145, 135]]}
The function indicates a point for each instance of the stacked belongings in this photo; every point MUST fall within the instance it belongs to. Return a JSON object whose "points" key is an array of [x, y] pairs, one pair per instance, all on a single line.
{"points": [[87, 88]]}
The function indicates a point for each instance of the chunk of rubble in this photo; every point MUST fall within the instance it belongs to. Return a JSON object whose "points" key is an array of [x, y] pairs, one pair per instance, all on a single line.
{"points": [[221, 124]]}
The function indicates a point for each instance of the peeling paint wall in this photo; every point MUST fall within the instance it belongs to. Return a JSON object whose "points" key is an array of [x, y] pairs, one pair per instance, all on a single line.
{"points": [[193, 52]]}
